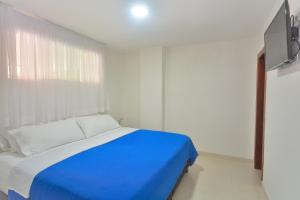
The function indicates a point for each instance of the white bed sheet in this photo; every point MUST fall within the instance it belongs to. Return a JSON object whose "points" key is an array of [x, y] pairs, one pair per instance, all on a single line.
{"points": [[7, 162], [18, 172]]}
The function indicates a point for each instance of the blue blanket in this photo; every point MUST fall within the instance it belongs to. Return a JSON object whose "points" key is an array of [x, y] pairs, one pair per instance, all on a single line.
{"points": [[143, 165]]}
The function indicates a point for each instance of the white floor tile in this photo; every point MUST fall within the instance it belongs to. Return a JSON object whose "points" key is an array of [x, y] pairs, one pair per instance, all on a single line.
{"points": [[220, 178]]}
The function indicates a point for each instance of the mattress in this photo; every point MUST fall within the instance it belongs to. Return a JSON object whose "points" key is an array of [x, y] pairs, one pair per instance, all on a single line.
{"points": [[17, 172]]}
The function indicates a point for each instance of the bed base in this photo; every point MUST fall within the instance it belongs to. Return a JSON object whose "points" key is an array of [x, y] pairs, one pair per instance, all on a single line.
{"points": [[185, 170]]}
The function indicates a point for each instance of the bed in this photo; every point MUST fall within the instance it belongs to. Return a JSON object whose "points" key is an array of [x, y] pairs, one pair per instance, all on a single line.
{"points": [[7, 162], [123, 163]]}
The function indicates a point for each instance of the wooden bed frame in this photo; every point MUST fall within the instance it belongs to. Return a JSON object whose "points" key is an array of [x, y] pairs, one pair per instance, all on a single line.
{"points": [[185, 170]]}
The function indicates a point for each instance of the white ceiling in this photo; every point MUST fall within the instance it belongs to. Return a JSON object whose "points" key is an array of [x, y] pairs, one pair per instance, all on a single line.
{"points": [[171, 22]]}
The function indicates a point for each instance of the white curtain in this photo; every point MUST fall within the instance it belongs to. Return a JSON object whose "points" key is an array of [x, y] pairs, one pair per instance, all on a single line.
{"points": [[46, 72]]}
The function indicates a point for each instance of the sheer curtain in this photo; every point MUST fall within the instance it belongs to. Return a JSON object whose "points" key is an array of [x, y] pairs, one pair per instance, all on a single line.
{"points": [[46, 72]]}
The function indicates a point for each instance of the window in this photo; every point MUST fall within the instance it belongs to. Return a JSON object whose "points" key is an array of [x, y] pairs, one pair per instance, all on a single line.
{"points": [[41, 58], [46, 72]]}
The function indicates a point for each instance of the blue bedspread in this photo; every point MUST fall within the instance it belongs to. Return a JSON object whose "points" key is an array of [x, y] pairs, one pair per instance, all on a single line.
{"points": [[143, 165]]}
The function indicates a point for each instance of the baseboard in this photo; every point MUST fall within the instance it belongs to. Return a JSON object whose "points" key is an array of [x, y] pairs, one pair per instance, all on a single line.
{"points": [[225, 156], [264, 189]]}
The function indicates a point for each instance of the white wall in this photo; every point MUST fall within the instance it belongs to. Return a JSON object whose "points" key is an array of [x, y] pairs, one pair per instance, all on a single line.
{"points": [[139, 94], [151, 88], [114, 62], [282, 131], [123, 85], [210, 95], [131, 81]]}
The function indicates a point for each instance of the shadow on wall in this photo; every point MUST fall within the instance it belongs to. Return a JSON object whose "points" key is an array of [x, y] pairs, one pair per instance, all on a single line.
{"points": [[289, 69]]}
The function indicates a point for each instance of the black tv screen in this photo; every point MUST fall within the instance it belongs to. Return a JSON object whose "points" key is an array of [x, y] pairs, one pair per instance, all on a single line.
{"points": [[278, 43]]}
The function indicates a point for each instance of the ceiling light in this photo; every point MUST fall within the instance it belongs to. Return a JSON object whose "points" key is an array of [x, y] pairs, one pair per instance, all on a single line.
{"points": [[139, 11]]}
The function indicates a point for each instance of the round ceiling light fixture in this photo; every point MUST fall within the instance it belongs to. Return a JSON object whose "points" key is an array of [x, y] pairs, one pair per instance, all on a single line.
{"points": [[139, 11]]}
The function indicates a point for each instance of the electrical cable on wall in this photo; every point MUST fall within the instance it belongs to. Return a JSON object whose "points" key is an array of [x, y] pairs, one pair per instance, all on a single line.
{"points": [[295, 32]]}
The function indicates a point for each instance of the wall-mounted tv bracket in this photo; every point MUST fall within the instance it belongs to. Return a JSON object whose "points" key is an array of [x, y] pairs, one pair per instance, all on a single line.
{"points": [[295, 32]]}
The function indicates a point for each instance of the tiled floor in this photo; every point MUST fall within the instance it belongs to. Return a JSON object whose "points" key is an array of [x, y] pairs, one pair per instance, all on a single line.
{"points": [[220, 178]]}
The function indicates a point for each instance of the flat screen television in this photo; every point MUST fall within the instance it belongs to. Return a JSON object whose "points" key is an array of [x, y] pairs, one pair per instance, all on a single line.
{"points": [[278, 41]]}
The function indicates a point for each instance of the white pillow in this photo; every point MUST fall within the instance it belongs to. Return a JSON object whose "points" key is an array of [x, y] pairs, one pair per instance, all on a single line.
{"points": [[4, 145], [35, 139], [96, 124], [13, 145]]}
